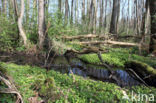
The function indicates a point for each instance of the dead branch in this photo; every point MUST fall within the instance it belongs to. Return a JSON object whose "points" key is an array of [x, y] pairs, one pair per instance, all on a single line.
{"points": [[86, 36], [11, 89], [137, 76], [108, 42]]}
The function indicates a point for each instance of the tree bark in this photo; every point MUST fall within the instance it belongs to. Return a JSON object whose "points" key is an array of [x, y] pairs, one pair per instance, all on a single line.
{"points": [[15, 10], [4, 4], [147, 21], [66, 12], [101, 15], [153, 25], [27, 12], [72, 4], [41, 23], [83, 11], [115, 16], [20, 27], [59, 5]]}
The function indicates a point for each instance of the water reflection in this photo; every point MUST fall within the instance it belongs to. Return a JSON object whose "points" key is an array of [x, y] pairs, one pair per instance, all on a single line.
{"points": [[74, 65]]}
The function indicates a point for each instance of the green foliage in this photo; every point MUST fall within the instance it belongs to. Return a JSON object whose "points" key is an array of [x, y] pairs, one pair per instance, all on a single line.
{"points": [[2, 69], [117, 57], [77, 47], [7, 98], [21, 48], [8, 33], [46, 87], [58, 28], [79, 90]]}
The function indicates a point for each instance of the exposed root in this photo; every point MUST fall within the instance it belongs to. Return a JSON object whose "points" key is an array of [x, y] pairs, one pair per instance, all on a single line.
{"points": [[11, 89]]}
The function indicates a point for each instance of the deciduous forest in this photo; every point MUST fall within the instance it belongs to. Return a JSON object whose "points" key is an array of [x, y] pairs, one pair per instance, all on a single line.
{"points": [[77, 51]]}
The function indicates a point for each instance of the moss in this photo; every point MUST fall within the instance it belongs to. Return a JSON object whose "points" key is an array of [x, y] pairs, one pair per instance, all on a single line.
{"points": [[140, 67], [109, 58], [116, 58]]}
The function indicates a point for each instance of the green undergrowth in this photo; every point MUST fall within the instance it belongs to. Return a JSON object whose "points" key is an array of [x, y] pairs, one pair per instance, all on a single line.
{"points": [[116, 58], [62, 88]]}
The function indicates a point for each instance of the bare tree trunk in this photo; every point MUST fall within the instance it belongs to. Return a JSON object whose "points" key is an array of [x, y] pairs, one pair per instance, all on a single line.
{"points": [[95, 16], [20, 20], [34, 14], [16, 13], [137, 22], [147, 22], [88, 15], [60, 5], [27, 12], [91, 17], [0, 8], [72, 4], [41, 23], [66, 12], [4, 4], [83, 11], [105, 22], [115, 16], [101, 16], [153, 25]]}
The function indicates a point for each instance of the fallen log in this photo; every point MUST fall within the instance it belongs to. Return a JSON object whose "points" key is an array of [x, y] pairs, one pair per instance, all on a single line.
{"points": [[143, 70], [86, 36], [108, 42], [86, 50]]}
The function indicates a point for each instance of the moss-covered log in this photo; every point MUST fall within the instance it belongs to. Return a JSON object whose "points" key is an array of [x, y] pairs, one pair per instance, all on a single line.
{"points": [[145, 71]]}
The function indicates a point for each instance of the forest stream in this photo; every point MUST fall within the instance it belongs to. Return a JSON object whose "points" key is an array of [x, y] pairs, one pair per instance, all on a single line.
{"points": [[76, 66]]}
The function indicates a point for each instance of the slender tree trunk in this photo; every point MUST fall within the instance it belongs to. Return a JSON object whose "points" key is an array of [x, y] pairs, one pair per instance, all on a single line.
{"points": [[16, 13], [101, 16], [91, 17], [34, 13], [88, 15], [72, 5], [4, 4], [0, 8], [66, 12], [147, 25], [20, 20], [60, 5], [41, 23], [137, 22], [95, 16], [105, 22], [27, 12], [115, 16], [83, 11], [153, 25]]}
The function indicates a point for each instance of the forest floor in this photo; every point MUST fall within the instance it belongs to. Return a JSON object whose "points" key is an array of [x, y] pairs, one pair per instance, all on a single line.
{"points": [[35, 83]]}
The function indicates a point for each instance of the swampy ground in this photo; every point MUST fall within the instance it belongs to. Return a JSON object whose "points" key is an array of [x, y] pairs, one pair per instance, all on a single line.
{"points": [[75, 79]]}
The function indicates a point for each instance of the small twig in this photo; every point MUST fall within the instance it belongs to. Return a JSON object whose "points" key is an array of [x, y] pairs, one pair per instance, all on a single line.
{"points": [[99, 56], [137, 76], [148, 76]]}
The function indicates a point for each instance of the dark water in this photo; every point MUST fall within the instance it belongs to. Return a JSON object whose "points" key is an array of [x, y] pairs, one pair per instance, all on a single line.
{"points": [[76, 66]]}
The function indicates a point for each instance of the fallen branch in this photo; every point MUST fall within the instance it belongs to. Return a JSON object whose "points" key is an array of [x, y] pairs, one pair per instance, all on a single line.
{"points": [[11, 89], [137, 76], [108, 42], [87, 36], [112, 73]]}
